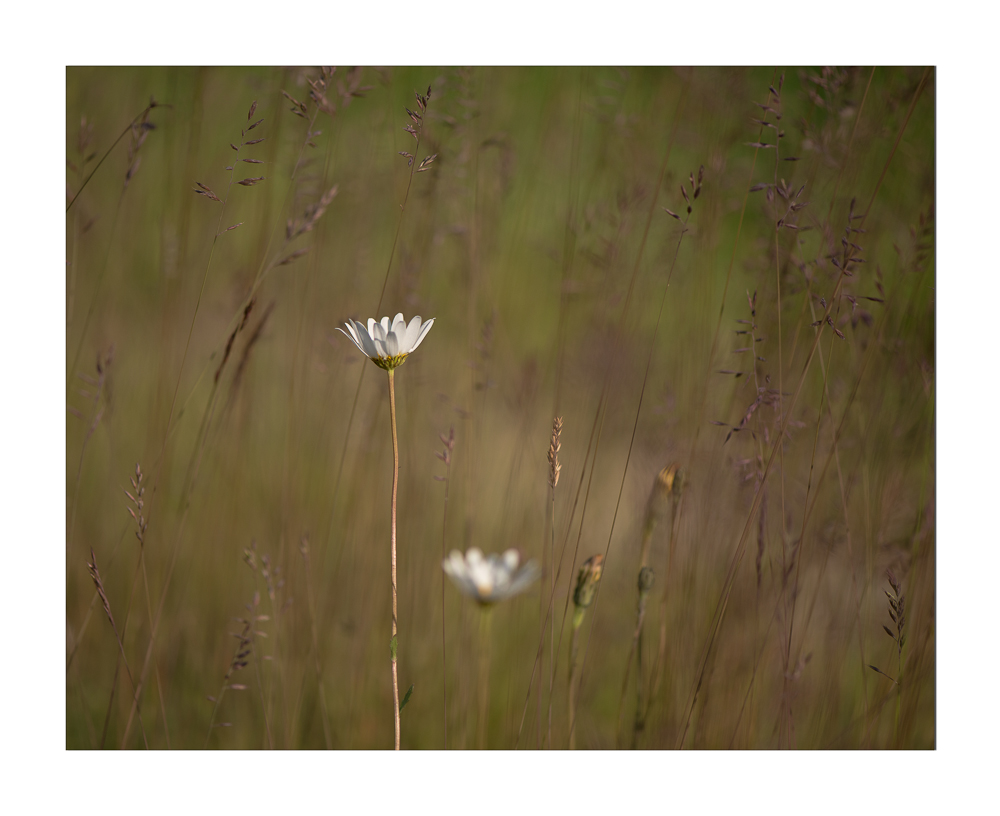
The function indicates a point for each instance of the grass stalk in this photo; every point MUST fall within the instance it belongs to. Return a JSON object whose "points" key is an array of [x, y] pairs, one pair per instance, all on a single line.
{"points": [[578, 614], [583, 595], [554, 468], [99, 583], [485, 649], [317, 664], [445, 456]]}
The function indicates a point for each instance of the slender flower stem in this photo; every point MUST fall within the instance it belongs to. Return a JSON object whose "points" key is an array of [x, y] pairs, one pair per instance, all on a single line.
{"points": [[661, 654], [444, 641], [484, 675], [395, 483], [639, 722], [635, 649], [647, 537], [578, 613], [552, 591]]}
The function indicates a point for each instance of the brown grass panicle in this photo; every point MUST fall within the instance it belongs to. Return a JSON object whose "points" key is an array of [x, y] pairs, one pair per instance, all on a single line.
{"points": [[249, 181], [138, 129], [246, 640], [416, 129], [139, 502], [138, 133], [95, 574], [553, 455], [897, 612], [137, 498]]}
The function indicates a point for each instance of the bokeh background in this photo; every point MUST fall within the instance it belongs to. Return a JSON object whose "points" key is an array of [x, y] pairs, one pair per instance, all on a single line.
{"points": [[540, 240]]}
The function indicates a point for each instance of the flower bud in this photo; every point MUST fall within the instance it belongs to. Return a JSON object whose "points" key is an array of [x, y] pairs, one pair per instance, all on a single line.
{"points": [[670, 481], [586, 581]]}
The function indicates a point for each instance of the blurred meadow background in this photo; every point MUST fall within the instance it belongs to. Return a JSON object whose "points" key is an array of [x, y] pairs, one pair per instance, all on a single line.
{"points": [[721, 279]]}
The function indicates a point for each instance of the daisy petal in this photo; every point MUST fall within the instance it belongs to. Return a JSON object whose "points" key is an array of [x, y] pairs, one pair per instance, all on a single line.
{"points": [[392, 344], [367, 346], [524, 578], [489, 579], [378, 336], [398, 324], [423, 333], [353, 339], [412, 332]]}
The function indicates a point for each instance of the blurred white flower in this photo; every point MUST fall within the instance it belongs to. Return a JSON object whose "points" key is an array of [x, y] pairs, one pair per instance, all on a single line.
{"points": [[489, 579], [387, 343]]}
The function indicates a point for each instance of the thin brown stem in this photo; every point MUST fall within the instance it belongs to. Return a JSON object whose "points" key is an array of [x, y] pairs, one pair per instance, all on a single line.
{"points": [[96, 576], [597, 429], [311, 605], [444, 554], [552, 591], [395, 484], [850, 141], [661, 652], [571, 704], [484, 677], [636, 640], [781, 391]]}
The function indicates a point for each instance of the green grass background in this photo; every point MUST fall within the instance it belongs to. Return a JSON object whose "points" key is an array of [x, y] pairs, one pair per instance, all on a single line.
{"points": [[534, 211]]}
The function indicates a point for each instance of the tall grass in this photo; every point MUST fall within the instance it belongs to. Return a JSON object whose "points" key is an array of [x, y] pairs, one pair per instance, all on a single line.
{"points": [[773, 337]]}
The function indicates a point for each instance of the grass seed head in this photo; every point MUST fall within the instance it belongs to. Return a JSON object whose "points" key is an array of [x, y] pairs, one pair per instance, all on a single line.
{"points": [[553, 455]]}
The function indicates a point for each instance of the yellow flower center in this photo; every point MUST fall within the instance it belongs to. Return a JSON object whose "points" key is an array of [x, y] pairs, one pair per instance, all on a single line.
{"points": [[389, 363]]}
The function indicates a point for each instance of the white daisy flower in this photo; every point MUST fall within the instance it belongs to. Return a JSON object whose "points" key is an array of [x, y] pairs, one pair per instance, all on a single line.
{"points": [[387, 343], [489, 579]]}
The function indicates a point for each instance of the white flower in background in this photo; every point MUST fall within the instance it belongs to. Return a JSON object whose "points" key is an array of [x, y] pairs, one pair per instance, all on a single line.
{"points": [[387, 343], [489, 579]]}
